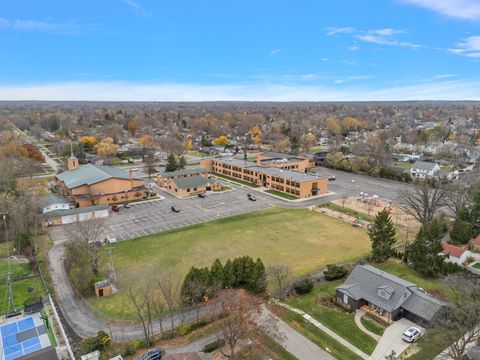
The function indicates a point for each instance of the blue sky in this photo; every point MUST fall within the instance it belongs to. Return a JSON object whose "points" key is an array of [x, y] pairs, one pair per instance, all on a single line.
{"points": [[239, 50]]}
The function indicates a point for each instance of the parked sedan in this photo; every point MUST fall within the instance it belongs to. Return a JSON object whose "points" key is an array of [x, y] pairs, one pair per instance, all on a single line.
{"points": [[332, 178], [115, 208], [251, 197], [126, 206], [411, 334], [175, 209]]}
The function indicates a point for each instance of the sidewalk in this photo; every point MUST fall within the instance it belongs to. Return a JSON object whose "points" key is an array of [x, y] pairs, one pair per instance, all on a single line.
{"points": [[326, 330]]}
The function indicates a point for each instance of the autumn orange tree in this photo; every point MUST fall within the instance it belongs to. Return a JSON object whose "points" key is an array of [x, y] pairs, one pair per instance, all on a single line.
{"points": [[145, 140], [256, 135], [88, 142], [222, 140], [106, 147], [132, 127], [34, 153]]}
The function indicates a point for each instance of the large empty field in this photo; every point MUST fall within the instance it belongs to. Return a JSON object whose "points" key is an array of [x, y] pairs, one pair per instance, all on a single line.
{"points": [[300, 238]]}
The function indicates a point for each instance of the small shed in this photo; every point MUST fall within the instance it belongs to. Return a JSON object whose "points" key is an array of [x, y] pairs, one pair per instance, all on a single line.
{"points": [[103, 288]]}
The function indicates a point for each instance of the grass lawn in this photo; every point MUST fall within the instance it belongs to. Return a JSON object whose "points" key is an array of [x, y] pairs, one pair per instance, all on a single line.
{"points": [[476, 265], [49, 327], [373, 326], [17, 269], [232, 179], [340, 322], [274, 350], [316, 335], [224, 188], [400, 269], [282, 195], [302, 239], [428, 349], [22, 290]]}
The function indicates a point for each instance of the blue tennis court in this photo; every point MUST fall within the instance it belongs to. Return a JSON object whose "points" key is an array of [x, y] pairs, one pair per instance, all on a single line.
{"points": [[23, 337]]}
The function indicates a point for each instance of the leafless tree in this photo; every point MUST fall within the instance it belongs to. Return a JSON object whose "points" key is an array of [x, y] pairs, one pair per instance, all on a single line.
{"points": [[279, 277], [169, 288], [457, 195], [423, 200], [458, 324], [244, 318], [86, 234], [141, 298]]}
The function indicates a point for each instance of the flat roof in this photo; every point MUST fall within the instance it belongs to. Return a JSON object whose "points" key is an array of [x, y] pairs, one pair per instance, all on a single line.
{"points": [[191, 182], [74, 211], [236, 162], [297, 176], [187, 171]]}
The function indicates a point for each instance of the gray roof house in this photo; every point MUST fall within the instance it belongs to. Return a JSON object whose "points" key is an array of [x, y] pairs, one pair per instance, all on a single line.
{"points": [[423, 169], [389, 295]]}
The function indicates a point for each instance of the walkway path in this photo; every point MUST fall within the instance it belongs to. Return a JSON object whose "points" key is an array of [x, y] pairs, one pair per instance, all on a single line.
{"points": [[358, 320], [326, 330]]}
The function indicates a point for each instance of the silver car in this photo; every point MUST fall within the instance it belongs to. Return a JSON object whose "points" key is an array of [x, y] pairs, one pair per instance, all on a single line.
{"points": [[411, 334]]}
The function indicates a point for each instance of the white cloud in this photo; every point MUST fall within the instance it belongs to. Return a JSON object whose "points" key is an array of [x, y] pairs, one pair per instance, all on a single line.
{"points": [[274, 52], [469, 47], [137, 8], [353, 48], [129, 91], [339, 30], [386, 32], [69, 27], [444, 76], [385, 40], [461, 9]]}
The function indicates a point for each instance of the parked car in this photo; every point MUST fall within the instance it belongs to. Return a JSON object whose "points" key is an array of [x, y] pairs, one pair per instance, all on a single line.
{"points": [[115, 208], [175, 209], [411, 334], [110, 239], [203, 196], [154, 354], [126, 206], [251, 197], [332, 178]]}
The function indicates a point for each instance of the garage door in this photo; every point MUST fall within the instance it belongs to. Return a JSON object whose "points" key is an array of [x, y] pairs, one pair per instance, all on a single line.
{"points": [[84, 216], [68, 219], [101, 213]]}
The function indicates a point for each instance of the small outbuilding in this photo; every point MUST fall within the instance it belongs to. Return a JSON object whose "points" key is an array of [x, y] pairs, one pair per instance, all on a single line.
{"points": [[103, 288]]}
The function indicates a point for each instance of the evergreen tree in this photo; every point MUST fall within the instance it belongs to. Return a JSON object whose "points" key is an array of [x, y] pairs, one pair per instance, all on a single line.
{"points": [[171, 163], [182, 163], [461, 232], [382, 235], [217, 275], [258, 279], [423, 253], [229, 275]]}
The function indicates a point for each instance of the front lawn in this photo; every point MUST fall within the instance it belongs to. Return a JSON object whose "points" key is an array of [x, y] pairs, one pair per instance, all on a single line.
{"points": [[339, 321], [302, 239], [235, 180], [16, 268], [373, 326], [476, 265]]}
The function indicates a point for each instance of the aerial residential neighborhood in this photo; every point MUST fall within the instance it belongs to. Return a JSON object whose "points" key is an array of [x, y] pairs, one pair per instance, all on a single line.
{"points": [[225, 180]]}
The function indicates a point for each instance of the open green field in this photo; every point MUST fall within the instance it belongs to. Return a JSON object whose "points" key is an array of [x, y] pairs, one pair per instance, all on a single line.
{"points": [[302, 239], [17, 269]]}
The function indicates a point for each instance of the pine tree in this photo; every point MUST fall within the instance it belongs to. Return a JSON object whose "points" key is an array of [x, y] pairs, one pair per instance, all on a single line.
{"points": [[171, 163], [423, 253], [258, 282], [382, 235], [229, 275], [462, 232], [182, 163], [217, 275]]}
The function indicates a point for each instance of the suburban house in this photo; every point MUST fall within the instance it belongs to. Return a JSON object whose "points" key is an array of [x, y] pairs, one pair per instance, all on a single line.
{"points": [[422, 169], [284, 161], [69, 216], [90, 184], [387, 295], [297, 183], [455, 254], [51, 202]]}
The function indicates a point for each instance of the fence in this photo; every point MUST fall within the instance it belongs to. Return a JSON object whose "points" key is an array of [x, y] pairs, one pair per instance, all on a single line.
{"points": [[64, 335]]}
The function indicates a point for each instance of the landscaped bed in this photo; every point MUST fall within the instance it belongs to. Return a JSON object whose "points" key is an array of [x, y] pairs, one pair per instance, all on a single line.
{"points": [[281, 194], [302, 239]]}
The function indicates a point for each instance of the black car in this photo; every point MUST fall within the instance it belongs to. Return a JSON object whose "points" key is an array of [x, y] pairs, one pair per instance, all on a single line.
{"points": [[175, 209], [251, 197], [203, 196], [154, 354]]}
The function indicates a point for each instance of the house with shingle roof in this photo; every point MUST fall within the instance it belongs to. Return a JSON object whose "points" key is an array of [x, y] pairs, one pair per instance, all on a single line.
{"points": [[388, 295], [423, 169], [455, 254], [90, 184]]}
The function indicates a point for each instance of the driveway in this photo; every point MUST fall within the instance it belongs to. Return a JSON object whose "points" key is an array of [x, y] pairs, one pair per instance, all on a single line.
{"points": [[392, 339]]}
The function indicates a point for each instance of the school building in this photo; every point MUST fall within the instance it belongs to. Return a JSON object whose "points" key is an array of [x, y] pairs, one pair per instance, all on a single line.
{"points": [[188, 182], [279, 178]]}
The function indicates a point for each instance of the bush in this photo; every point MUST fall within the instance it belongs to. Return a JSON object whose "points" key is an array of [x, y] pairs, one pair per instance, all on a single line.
{"points": [[97, 342], [213, 346], [461, 232], [303, 286], [335, 272], [188, 328], [452, 268]]}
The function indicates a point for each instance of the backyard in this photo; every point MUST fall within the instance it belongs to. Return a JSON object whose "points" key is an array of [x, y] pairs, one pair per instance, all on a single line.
{"points": [[302, 239]]}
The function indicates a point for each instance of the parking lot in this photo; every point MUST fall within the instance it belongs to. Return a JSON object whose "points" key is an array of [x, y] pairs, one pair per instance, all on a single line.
{"points": [[155, 216]]}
